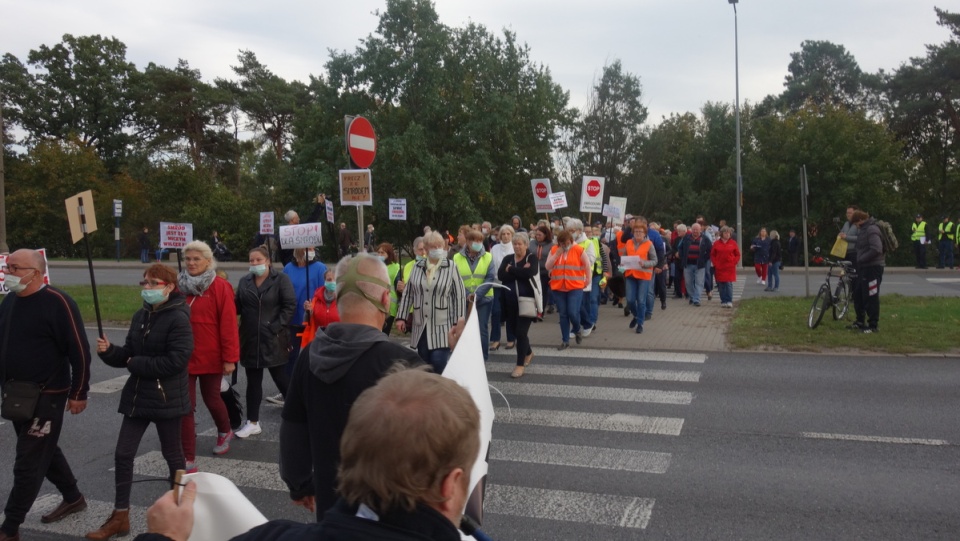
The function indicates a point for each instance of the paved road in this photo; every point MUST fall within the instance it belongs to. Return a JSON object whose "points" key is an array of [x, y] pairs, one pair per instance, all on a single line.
{"points": [[603, 444]]}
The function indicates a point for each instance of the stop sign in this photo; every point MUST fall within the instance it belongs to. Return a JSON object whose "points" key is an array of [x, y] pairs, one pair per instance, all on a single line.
{"points": [[541, 189], [361, 142], [593, 188]]}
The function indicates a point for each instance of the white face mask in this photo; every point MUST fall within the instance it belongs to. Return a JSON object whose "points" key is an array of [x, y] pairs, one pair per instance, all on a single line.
{"points": [[311, 255], [14, 284], [258, 270], [438, 253]]}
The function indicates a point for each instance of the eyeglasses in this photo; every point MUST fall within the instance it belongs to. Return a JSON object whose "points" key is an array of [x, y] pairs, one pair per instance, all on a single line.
{"points": [[152, 283], [18, 268]]}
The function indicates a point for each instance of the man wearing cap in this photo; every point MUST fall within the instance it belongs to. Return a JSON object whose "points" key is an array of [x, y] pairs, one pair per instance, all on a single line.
{"points": [[341, 362], [947, 234], [920, 240]]}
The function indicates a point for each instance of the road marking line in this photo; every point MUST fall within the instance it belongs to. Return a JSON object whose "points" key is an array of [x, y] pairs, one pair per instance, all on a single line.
{"points": [[569, 506], [579, 456], [92, 518], [618, 422], [872, 439], [243, 473], [110, 385], [586, 353], [595, 393], [690, 376], [943, 280]]}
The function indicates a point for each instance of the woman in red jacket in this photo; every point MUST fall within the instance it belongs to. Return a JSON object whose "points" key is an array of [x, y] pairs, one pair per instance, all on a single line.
{"points": [[323, 309], [725, 256], [216, 344]]}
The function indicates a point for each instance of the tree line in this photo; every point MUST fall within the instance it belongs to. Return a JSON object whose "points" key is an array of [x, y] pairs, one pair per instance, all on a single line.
{"points": [[465, 118]]}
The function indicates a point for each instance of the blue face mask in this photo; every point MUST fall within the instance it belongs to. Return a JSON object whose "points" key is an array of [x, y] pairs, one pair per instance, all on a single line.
{"points": [[382, 257], [153, 297], [331, 287], [258, 270], [476, 246]]}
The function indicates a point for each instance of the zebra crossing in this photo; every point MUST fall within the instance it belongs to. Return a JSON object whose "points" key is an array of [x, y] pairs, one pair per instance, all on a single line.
{"points": [[579, 444]]}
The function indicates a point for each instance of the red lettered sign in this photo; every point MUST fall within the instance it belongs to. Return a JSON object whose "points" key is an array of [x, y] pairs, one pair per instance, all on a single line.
{"points": [[541, 194]]}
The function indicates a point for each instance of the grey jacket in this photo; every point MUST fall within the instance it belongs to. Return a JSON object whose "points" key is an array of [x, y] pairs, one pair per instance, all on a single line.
{"points": [[853, 233], [869, 245]]}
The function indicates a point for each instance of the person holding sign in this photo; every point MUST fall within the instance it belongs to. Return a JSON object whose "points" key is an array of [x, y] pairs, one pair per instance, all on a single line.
{"points": [[436, 294], [569, 269], [637, 264], [216, 345], [266, 303]]}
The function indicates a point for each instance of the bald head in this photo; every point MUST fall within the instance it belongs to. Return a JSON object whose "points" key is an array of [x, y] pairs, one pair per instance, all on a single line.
{"points": [[30, 268], [363, 290]]}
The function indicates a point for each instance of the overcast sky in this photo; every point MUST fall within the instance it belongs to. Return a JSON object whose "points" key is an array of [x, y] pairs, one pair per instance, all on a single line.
{"points": [[682, 50]]}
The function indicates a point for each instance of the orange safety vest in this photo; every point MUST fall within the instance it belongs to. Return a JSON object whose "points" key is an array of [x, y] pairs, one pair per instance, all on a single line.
{"points": [[567, 272], [621, 245], [643, 251]]}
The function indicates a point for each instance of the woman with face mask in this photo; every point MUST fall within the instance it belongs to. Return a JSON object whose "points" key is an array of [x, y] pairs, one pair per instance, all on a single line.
{"points": [[266, 303], [155, 354], [436, 295], [389, 257], [475, 266], [216, 344], [323, 308], [499, 251]]}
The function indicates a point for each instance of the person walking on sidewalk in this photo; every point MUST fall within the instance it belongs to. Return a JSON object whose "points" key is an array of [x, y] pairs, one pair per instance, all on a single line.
{"points": [[569, 269], [43, 343], [725, 255], [695, 256], [639, 280], [776, 258], [517, 271], [761, 255], [155, 353]]}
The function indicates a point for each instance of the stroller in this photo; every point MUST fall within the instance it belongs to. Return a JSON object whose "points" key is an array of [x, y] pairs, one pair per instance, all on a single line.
{"points": [[221, 252]]}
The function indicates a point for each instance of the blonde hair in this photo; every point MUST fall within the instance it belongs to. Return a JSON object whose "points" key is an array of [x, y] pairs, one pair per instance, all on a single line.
{"points": [[204, 250]]}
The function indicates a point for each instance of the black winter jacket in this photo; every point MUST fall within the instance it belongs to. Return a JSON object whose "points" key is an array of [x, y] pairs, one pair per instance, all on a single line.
{"points": [[264, 314], [156, 354]]}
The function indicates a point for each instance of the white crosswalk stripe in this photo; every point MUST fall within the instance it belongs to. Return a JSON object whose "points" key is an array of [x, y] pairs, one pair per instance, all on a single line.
{"points": [[590, 411]]}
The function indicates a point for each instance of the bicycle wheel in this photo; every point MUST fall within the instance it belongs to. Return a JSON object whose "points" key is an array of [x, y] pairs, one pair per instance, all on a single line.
{"points": [[820, 304], [841, 301]]}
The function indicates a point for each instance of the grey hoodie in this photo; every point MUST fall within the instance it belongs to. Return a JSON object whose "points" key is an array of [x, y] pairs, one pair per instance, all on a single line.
{"points": [[334, 351]]}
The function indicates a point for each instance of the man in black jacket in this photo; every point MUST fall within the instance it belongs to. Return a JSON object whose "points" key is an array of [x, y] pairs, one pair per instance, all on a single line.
{"points": [[43, 342], [870, 263], [407, 453]]}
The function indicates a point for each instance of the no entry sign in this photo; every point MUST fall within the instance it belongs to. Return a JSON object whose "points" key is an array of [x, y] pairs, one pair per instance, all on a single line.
{"points": [[361, 142], [541, 194], [591, 197]]}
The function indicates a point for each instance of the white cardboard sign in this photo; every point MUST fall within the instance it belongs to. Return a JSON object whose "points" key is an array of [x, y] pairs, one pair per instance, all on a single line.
{"points": [[301, 236], [175, 236], [329, 205], [591, 195], [398, 209], [267, 223], [621, 204], [541, 194], [558, 200]]}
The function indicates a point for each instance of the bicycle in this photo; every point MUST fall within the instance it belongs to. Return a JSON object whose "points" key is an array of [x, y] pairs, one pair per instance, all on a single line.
{"points": [[827, 297]]}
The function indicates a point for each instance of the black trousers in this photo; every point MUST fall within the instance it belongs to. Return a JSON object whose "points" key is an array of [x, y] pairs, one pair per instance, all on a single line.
{"points": [[255, 388], [920, 253], [521, 329], [38, 456], [131, 432], [866, 295]]}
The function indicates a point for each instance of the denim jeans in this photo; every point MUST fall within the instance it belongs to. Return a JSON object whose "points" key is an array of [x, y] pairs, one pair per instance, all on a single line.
{"points": [[946, 253], [693, 277], [483, 315], [437, 358], [590, 308], [145, 255], [726, 291], [773, 275], [496, 318], [637, 293], [568, 304]]}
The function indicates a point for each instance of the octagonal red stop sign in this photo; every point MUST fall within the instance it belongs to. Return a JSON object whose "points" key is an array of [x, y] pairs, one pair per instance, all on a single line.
{"points": [[361, 142], [593, 188], [541, 190]]}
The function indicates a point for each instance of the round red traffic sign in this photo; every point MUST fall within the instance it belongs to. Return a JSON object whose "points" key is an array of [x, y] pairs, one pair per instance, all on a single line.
{"points": [[541, 189], [361, 142], [593, 188]]}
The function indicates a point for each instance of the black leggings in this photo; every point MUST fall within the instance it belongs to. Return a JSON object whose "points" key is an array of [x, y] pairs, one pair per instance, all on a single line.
{"points": [[131, 432], [521, 329], [255, 388]]}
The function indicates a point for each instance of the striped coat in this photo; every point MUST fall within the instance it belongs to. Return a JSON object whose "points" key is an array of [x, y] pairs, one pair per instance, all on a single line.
{"points": [[435, 309]]}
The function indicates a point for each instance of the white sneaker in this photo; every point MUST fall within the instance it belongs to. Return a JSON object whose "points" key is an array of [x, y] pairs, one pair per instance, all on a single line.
{"points": [[759, 280], [248, 429], [763, 282], [276, 399], [586, 332]]}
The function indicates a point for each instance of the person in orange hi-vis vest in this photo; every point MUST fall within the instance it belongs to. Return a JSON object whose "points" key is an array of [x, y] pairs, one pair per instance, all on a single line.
{"points": [[639, 280], [569, 269]]}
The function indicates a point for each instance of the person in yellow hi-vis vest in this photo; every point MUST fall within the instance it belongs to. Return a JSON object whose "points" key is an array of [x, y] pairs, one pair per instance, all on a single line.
{"points": [[947, 235], [387, 254], [918, 234], [476, 268], [419, 253]]}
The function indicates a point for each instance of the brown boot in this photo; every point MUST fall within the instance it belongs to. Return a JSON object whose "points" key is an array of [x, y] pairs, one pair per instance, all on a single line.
{"points": [[118, 524]]}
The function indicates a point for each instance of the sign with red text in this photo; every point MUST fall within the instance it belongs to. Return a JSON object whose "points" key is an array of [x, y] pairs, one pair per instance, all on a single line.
{"points": [[3, 269], [541, 194], [558, 200], [301, 236], [398, 209], [356, 187], [591, 195], [267, 223], [175, 236], [329, 205]]}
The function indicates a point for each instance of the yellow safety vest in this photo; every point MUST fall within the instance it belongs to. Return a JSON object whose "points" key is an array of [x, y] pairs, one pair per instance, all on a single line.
{"points": [[947, 229], [392, 270], [473, 279], [598, 265], [919, 230]]}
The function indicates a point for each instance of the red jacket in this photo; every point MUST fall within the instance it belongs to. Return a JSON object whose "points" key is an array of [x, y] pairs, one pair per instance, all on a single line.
{"points": [[725, 256], [216, 340], [323, 313]]}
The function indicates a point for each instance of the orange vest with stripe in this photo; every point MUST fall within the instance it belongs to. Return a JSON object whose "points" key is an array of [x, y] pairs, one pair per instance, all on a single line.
{"points": [[567, 272], [643, 251]]}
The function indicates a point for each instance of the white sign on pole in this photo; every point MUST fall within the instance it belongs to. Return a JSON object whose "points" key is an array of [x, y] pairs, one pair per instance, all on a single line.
{"points": [[301, 236], [117, 208], [175, 236], [591, 195], [621, 204], [541, 194], [3, 268], [611, 212], [558, 200], [267, 223], [398, 209], [329, 205]]}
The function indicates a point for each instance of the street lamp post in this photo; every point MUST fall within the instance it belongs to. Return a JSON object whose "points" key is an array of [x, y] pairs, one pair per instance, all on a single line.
{"points": [[736, 108]]}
